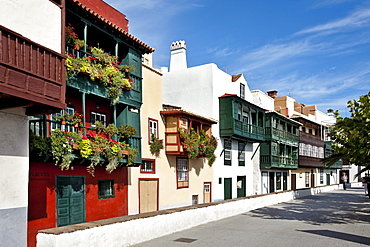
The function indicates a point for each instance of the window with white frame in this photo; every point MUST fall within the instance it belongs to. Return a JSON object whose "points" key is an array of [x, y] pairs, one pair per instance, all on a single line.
{"points": [[321, 176], [56, 125], [182, 167], [148, 166], [242, 91], [241, 153], [307, 179], [97, 116], [153, 129], [227, 152]]}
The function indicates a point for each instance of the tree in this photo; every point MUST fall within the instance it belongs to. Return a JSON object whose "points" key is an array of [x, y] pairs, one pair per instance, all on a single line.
{"points": [[351, 135]]}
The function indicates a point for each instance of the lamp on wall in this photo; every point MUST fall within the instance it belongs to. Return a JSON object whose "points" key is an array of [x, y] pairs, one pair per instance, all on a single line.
{"points": [[300, 175]]}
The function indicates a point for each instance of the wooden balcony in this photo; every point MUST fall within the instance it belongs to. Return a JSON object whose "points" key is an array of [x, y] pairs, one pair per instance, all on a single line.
{"points": [[31, 75], [273, 161], [281, 136]]}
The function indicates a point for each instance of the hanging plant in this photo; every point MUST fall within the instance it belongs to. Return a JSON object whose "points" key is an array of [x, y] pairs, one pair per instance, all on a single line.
{"points": [[198, 145], [156, 146]]}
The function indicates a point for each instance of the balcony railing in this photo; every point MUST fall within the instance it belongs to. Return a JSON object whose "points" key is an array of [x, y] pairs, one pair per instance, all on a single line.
{"points": [[268, 161], [280, 135], [31, 71], [248, 130]]}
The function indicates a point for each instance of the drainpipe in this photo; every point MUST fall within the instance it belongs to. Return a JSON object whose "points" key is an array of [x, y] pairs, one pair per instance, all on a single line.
{"points": [[84, 110], [85, 36]]}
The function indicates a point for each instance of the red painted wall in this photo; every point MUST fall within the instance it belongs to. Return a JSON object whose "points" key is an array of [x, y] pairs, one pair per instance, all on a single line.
{"points": [[42, 196]]}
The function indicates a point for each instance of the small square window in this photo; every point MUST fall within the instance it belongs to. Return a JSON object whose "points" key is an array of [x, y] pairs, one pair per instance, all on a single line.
{"points": [[148, 166], [106, 189]]}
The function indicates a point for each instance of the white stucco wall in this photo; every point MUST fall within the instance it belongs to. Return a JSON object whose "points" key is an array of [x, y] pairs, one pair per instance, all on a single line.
{"points": [[37, 20], [140, 230], [263, 100], [14, 166]]}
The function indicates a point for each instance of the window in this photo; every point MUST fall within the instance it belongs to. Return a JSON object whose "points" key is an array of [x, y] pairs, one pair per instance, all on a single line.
{"points": [[321, 176], [194, 199], [278, 181], [148, 166], [242, 91], [241, 153], [182, 167], [96, 116], [106, 189], [227, 153], [153, 129], [57, 125], [207, 188], [307, 179]]}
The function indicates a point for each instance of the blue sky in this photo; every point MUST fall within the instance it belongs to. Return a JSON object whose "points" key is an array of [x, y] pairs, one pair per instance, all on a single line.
{"points": [[316, 51]]}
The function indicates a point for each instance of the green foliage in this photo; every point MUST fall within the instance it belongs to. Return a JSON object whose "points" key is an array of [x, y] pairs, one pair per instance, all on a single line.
{"points": [[39, 146], [351, 135], [126, 131], [103, 68], [156, 146], [199, 145]]}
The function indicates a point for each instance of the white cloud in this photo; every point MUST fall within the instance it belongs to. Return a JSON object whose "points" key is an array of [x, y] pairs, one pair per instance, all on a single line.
{"points": [[356, 19]]}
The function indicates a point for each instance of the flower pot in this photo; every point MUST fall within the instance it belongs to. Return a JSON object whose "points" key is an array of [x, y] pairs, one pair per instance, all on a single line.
{"points": [[126, 152], [76, 125], [74, 145], [76, 47], [63, 122]]}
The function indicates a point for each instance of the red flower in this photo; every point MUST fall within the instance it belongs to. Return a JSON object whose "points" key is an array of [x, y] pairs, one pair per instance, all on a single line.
{"points": [[85, 138]]}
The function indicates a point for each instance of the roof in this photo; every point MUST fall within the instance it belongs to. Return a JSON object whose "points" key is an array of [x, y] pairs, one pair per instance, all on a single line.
{"points": [[234, 78], [285, 117], [146, 48], [175, 110]]}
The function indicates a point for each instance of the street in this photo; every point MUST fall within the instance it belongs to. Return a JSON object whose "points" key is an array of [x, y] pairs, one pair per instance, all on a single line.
{"points": [[336, 218]]}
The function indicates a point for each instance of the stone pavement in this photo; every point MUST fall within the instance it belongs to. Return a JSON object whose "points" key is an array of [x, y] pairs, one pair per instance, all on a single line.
{"points": [[336, 218]]}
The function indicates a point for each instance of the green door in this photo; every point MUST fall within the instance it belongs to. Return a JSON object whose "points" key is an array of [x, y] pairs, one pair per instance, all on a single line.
{"points": [[241, 186], [227, 188], [70, 200], [327, 179]]}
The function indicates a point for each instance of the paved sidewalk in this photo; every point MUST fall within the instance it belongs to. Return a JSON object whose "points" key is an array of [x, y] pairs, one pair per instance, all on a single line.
{"points": [[337, 218]]}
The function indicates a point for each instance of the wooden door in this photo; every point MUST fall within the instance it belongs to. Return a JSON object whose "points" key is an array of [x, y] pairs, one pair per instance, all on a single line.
{"points": [[272, 182], [207, 192], [293, 182], [148, 195], [227, 188], [241, 186], [70, 200], [312, 180], [327, 179]]}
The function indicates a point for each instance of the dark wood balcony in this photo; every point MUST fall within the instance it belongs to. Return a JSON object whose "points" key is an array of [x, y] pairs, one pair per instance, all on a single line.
{"points": [[31, 75]]}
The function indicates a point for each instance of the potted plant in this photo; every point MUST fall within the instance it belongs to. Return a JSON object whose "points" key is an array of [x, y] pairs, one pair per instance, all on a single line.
{"points": [[77, 119], [156, 146], [126, 131]]}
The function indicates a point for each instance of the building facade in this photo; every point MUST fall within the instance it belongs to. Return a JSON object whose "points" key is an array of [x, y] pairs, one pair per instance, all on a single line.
{"points": [[84, 177]]}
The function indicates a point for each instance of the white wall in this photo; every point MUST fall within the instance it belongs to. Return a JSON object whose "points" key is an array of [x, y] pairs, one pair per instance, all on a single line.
{"points": [[37, 20], [136, 231], [14, 166]]}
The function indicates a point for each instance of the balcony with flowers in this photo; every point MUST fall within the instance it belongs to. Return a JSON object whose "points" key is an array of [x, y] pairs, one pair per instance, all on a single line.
{"points": [[189, 134], [96, 71], [72, 143]]}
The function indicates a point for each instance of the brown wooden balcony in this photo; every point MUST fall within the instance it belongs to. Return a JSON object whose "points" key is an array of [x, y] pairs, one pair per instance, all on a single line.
{"points": [[31, 75]]}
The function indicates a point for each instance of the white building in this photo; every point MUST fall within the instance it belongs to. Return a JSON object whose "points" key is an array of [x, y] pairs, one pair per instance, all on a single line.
{"points": [[197, 89]]}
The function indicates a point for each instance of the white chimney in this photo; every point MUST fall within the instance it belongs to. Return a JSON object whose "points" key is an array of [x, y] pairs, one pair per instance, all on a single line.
{"points": [[178, 56]]}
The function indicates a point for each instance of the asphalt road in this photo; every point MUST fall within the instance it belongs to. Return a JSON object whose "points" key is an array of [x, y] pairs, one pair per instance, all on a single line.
{"points": [[337, 218]]}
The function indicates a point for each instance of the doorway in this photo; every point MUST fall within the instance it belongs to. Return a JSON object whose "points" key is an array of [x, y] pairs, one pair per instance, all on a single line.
{"points": [[148, 195], [241, 186], [70, 204], [227, 188], [207, 192], [272, 182]]}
